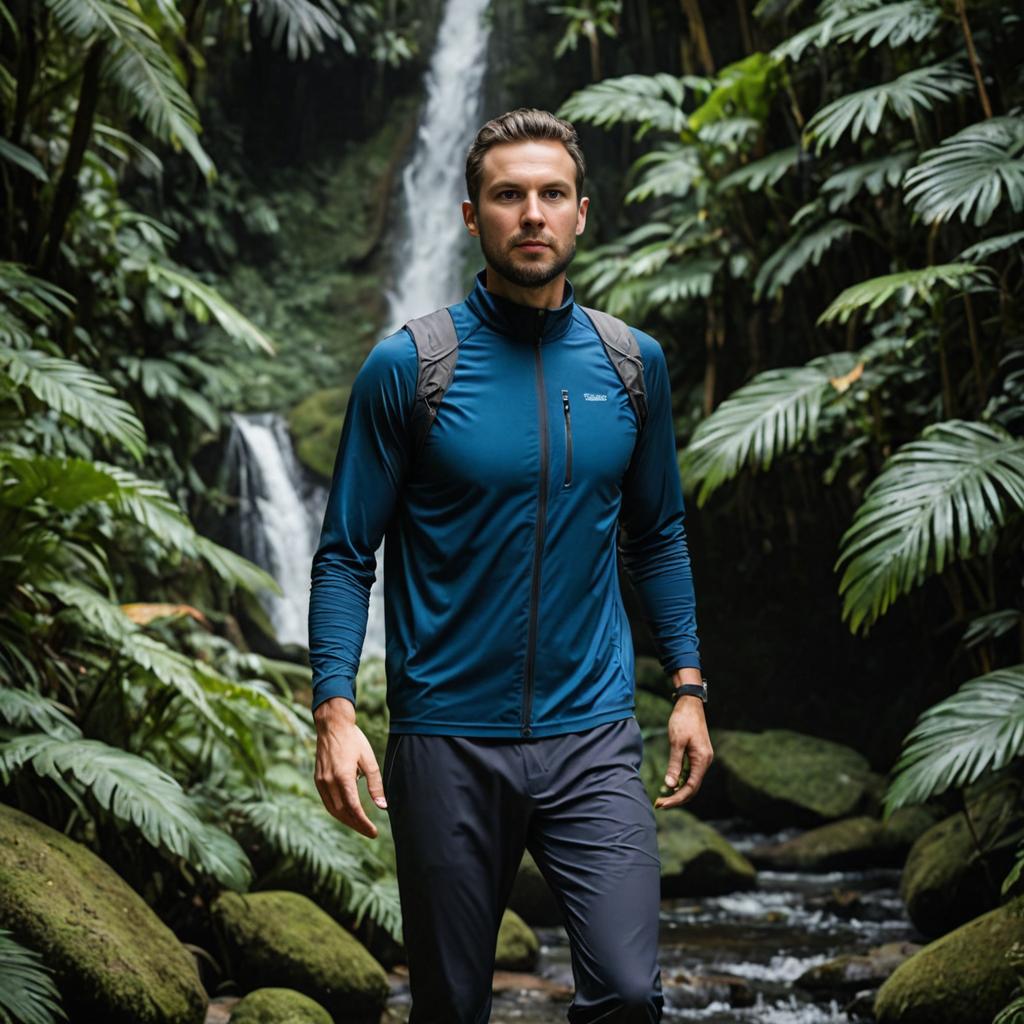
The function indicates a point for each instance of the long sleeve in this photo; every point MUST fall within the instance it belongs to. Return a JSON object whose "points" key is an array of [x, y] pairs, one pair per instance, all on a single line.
{"points": [[654, 547], [369, 467]]}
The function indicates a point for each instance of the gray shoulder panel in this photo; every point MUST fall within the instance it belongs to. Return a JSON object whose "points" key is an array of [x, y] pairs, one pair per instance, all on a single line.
{"points": [[437, 349], [621, 345]]}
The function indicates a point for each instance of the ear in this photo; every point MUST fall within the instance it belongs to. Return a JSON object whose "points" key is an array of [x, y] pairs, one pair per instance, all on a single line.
{"points": [[469, 216], [581, 215]]}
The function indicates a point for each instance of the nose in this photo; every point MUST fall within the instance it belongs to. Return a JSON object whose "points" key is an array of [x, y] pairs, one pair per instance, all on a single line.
{"points": [[533, 212]]}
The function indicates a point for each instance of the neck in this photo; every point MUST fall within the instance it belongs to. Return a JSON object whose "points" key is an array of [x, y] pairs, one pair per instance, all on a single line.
{"points": [[545, 296]]}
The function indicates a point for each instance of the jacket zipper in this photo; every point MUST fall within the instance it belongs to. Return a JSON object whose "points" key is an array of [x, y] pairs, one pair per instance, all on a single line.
{"points": [[538, 542], [568, 439]]}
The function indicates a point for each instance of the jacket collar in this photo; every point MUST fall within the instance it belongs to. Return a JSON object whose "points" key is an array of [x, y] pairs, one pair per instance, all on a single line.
{"points": [[519, 321]]}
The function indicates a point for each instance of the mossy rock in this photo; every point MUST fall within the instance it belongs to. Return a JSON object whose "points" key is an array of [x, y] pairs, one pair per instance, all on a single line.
{"points": [[962, 978], [696, 860], [650, 676], [518, 948], [532, 898], [278, 1006], [652, 711], [853, 972], [283, 939], [113, 959], [315, 425], [944, 881], [778, 777]]}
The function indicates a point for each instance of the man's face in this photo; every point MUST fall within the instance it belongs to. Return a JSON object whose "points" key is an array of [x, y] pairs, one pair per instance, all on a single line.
{"points": [[527, 216]]}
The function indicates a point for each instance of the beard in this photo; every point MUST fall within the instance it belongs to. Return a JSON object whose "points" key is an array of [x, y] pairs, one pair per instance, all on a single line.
{"points": [[525, 275]]}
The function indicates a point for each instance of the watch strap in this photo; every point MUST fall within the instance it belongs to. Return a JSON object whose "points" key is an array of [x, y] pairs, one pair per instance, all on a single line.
{"points": [[692, 690]]}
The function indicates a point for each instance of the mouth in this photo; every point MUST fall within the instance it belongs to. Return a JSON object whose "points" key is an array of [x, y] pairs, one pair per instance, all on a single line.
{"points": [[532, 245]]}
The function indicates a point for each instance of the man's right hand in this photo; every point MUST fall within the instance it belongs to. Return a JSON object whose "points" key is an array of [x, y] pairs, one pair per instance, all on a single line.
{"points": [[343, 753]]}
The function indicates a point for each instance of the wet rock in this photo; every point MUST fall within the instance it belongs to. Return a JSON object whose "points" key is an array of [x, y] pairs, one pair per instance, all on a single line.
{"points": [[853, 972], [861, 1006], [778, 777], [278, 1006], [686, 991], [284, 939], [113, 959], [514, 981], [518, 947], [532, 898], [945, 882], [860, 842], [696, 860], [962, 978]]}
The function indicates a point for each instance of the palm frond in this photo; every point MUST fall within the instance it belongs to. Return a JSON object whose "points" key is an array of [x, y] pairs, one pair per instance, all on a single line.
{"points": [[905, 285], [73, 390], [64, 484], [911, 21], [805, 247], [27, 992], [302, 26], [979, 729], [1013, 1012], [976, 170], [148, 504], [991, 626], [873, 176], [134, 791], [769, 170], [938, 499], [26, 708], [233, 568], [912, 93], [771, 414], [672, 170], [33, 295], [22, 158], [648, 101], [981, 251]]}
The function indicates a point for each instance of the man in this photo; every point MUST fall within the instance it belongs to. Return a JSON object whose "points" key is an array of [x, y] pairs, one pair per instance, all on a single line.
{"points": [[508, 652]]}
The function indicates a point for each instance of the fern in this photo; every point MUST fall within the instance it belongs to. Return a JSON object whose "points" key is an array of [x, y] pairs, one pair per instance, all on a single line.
{"points": [[27, 992], [906, 96], [938, 499], [134, 791], [979, 729], [976, 169]]}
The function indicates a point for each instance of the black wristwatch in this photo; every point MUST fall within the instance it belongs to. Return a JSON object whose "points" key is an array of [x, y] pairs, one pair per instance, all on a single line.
{"points": [[692, 690]]}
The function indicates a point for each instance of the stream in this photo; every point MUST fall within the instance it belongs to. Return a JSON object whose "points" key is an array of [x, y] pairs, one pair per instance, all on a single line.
{"points": [[732, 958]]}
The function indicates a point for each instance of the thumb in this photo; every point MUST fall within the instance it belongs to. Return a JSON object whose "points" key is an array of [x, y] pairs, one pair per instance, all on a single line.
{"points": [[373, 781]]}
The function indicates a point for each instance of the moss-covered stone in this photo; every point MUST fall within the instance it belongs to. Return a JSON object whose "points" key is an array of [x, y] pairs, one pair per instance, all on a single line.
{"points": [[696, 860], [283, 939], [518, 947], [532, 898], [945, 882], [315, 425], [962, 978], [113, 959], [278, 1006], [778, 777]]}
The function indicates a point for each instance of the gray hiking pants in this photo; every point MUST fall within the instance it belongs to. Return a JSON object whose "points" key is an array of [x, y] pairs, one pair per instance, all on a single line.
{"points": [[462, 811]]}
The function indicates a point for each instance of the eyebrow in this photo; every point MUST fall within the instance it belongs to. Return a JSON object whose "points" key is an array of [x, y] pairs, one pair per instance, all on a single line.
{"points": [[556, 182]]}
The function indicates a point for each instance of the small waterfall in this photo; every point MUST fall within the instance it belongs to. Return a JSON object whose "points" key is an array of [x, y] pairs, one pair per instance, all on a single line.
{"points": [[433, 184], [279, 517]]}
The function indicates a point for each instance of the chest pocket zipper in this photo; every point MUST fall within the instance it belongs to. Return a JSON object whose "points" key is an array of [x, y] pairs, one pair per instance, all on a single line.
{"points": [[568, 438]]}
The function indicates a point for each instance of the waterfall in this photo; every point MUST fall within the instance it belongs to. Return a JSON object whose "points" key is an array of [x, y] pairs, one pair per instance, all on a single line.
{"points": [[430, 255]]}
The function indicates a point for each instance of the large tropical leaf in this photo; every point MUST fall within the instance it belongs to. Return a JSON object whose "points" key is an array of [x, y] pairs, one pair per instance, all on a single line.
{"points": [[981, 251], [134, 791], [771, 414], [769, 170], [924, 284], [979, 729], [805, 247], [939, 499], [672, 170], [649, 101], [302, 26], [891, 24], [27, 992], [28, 709], [872, 176], [909, 95], [976, 170], [64, 484]]}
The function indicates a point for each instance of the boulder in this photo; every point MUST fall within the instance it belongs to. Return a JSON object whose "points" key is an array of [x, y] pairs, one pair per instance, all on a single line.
{"points": [[278, 1006], [283, 939], [945, 882], [778, 778], [532, 898], [518, 948], [860, 842], [853, 972], [113, 959], [315, 425], [696, 860], [962, 978]]}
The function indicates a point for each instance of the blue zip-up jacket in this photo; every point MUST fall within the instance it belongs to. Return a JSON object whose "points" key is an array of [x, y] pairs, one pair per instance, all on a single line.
{"points": [[503, 613]]}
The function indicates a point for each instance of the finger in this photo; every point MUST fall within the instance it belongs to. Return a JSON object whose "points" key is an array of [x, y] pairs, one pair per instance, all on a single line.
{"points": [[354, 808], [675, 765], [374, 783]]}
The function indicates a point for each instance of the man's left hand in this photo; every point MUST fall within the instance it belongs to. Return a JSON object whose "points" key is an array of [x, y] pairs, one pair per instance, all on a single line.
{"points": [[687, 734]]}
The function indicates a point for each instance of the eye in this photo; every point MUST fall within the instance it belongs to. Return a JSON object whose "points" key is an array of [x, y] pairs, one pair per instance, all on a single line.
{"points": [[507, 193], [554, 193]]}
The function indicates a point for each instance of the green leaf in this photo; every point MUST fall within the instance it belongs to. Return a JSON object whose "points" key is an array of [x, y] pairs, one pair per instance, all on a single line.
{"points": [[979, 729], [758, 174], [66, 484], [981, 251], [904, 285], [25, 708], [1013, 1012], [27, 992], [744, 89], [909, 95], [672, 170], [892, 24], [874, 176], [805, 247], [23, 159], [134, 791], [302, 26], [649, 101], [976, 170], [941, 498]]}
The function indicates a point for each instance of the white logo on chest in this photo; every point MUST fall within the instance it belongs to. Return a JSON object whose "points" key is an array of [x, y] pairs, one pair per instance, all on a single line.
{"points": [[590, 396]]}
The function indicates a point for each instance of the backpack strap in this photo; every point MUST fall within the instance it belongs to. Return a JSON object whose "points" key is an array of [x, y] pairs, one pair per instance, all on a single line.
{"points": [[437, 349], [621, 345]]}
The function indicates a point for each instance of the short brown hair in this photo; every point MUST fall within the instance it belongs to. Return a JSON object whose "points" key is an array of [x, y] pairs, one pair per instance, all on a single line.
{"points": [[524, 124]]}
